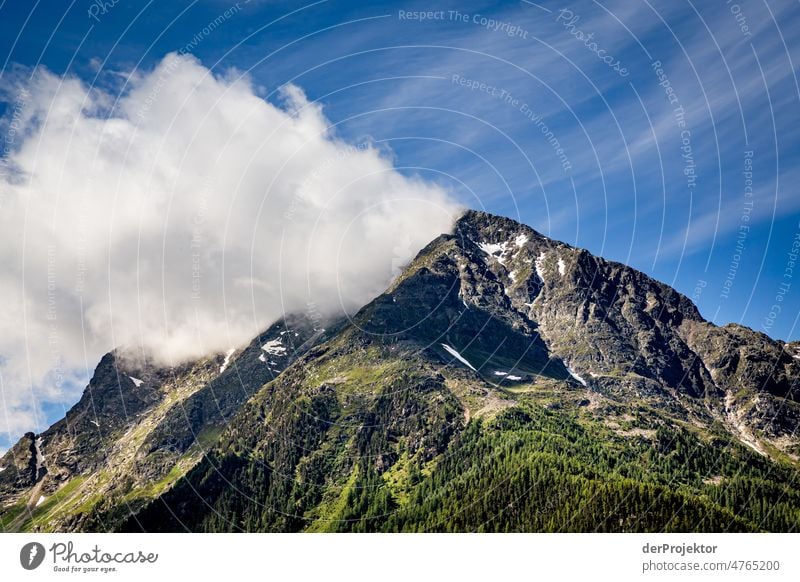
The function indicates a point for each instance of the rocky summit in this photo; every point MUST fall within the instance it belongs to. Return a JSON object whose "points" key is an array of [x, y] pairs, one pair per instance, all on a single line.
{"points": [[503, 382]]}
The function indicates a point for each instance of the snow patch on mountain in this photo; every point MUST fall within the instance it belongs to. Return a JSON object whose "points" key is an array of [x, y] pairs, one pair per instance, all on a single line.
{"points": [[228, 355], [136, 381], [562, 266], [37, 444], [453, 352], [495, 250], [274, 348], [539, 265], [577, 376], [507, 375]]}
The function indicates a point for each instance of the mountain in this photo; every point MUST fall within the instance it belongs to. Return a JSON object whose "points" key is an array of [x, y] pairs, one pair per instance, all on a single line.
{"points": [[135, 431], [503, 382]]}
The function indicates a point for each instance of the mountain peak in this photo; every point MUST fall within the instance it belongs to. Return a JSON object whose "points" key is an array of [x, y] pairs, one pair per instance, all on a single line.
{"points": [[478, 224]]}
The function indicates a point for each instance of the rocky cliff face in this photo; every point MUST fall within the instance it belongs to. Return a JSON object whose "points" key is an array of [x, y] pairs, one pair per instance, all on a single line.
{"points": [[625, 334], [504, 381]]}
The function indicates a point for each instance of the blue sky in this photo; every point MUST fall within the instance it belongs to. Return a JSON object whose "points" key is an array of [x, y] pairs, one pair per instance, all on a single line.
{"points": [[632, 143]]}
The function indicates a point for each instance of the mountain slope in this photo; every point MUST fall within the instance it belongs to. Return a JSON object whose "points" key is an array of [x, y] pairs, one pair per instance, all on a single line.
{"points": [[506, 381], [136, 429]]}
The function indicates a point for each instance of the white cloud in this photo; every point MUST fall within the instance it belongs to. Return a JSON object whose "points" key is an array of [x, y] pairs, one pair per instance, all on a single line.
{"points": [[181, 219]]}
